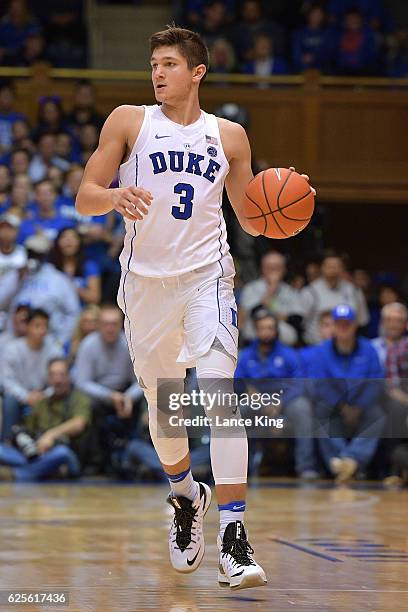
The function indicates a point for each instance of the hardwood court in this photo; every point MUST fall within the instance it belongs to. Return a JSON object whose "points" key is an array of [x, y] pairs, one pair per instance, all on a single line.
{"points": [[323, 549]]}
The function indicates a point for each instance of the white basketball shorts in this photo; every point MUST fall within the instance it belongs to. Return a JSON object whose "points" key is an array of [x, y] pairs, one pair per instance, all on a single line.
{"points": [[170, 322]]}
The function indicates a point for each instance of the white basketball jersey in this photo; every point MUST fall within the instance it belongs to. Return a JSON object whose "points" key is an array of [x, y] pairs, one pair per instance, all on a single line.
{"points": [[184, 168]]}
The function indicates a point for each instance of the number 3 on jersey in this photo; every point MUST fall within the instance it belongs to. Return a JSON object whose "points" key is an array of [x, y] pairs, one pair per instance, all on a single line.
{"points": [[185, 210]]}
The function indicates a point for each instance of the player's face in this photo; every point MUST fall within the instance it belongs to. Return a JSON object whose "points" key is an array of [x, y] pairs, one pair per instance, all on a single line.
{"points": [[172, 78]]}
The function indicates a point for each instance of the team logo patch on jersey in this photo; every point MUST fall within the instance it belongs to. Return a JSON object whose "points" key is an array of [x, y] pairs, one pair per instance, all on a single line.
{"points": [[212, 151]]}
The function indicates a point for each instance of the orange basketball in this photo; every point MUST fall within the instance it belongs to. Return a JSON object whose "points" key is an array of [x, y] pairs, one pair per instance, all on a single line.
{"points": [[278, 203]]}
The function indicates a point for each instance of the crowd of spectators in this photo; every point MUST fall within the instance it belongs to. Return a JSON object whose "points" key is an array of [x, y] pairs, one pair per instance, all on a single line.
{"points": [[341, 37], [70, 400], [32, 31]]}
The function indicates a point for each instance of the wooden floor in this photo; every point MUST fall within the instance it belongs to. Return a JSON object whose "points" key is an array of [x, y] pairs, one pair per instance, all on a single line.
{"points": [[323, 549]]}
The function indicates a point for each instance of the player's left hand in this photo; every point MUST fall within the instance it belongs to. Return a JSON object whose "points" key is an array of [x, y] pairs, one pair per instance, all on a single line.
{"points": [[305, 176]]}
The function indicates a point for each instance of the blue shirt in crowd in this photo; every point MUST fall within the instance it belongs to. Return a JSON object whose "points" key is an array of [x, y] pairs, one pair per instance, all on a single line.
{"points": [[281, 364], [343, 377]]}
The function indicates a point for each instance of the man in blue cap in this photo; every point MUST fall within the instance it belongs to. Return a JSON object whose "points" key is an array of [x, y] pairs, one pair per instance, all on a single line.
{"points": [[346, 403]]}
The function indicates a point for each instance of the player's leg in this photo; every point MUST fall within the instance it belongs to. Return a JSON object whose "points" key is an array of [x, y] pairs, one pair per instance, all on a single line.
{"points": [[229, 460], [154, 337]]}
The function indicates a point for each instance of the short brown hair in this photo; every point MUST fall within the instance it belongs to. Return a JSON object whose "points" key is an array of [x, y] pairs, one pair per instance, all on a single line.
{"points": [[190, 45]]}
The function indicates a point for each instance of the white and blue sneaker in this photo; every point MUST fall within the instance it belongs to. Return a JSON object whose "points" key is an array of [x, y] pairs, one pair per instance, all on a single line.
{"points": [[186, 538], [237, 568]]}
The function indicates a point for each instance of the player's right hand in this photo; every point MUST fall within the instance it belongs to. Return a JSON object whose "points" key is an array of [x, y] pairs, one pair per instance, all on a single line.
{"points": [[131, 202]]}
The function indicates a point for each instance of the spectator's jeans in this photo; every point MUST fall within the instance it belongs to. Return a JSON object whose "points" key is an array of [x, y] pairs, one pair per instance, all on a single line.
{"points": [[12, 414], [143, 452], [44, 465], [299, 414], [361, 449]]}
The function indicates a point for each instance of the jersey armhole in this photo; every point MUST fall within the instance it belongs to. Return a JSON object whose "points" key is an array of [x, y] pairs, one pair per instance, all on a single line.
{"points": [[212, 121], [141, 139]]}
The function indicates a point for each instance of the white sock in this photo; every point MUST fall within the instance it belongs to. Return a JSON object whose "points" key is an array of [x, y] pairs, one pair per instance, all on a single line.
{"points": [[183, 484], [229, 513]]}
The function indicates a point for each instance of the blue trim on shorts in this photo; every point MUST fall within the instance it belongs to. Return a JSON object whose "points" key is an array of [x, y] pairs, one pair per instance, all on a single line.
{"points": [[219, 313], [128, 267]]}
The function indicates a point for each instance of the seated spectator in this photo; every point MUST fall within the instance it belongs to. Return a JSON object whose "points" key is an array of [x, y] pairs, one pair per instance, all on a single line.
{"points": [[84, 109], [45, 218], [87, 323], [397, 379], [8, 116], [270, 291], [57, 177], [399, 55], [268, 358], [313, 271], [24, 369], [34, 50], [326, 331], [42, 286], [194, 10], [50, 117], [350, 414], [20, 160], [355, 52], [67, 148], [45, 157], [222, 57], [104, 371], [311, 45], [213, 21], [393, 328], [252, 23], [65, 33], [15, 27], [20, 199], [56, 426], [12, 255], [21, 136], [88, 137], [5, 185], [327, 292], [16, 327], [372, 11], [264, 62], [67, 255]]}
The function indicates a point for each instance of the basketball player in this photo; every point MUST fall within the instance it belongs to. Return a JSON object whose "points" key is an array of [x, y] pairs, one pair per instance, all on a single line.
{"points": [[176, 289]]}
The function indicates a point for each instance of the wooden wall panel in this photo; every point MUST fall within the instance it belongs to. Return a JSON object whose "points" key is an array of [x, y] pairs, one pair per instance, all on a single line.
{"points": [[351, 140]]}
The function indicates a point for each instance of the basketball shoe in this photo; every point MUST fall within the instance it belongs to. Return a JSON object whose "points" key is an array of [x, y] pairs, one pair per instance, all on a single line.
{"points": [[186, 538], [237, 568]]}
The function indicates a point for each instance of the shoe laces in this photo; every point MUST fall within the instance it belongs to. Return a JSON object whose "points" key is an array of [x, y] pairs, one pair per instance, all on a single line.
{"points": [[184, 519], [239, 550]]}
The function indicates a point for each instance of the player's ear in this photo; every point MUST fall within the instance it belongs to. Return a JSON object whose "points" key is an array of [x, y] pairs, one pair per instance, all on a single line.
{"points": [[199, 72]]}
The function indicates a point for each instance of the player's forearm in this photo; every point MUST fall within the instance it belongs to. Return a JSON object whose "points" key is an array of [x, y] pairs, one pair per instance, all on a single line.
{"points": [[93, 199], [246, 227]]}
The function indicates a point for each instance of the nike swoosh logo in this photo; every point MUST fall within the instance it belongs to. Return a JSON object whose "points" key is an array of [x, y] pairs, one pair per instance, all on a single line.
{"points": [[238, 507], [233, 575], [158, 137], [193, 560]]}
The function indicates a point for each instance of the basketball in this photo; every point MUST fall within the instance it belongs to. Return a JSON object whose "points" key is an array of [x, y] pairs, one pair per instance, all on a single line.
{"points": [[279, 203]]}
